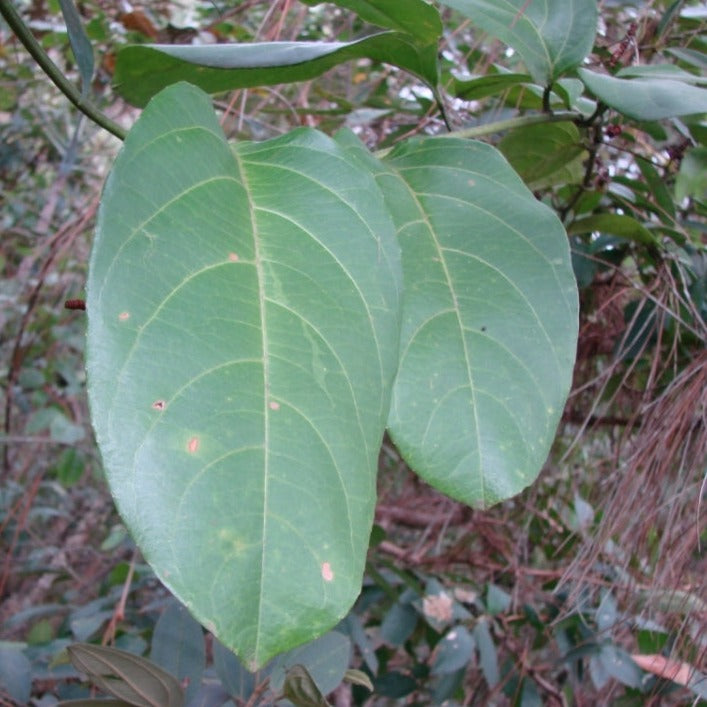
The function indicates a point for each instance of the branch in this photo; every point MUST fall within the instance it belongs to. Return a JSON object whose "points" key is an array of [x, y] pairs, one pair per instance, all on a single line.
{"points": [[35, 49]]}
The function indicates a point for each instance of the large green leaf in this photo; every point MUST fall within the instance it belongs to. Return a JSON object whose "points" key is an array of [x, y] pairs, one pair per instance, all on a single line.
{"points": [[551, 36], [242, 341], [545, 154], [414, 17], [142, 71], [646, 99], [489, 320]]}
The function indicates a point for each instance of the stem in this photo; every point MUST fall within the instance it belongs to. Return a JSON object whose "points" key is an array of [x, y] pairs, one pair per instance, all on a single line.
{"points": [[35, 49]]}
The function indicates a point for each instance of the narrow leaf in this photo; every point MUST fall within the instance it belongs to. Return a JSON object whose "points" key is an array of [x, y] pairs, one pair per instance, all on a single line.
{"points": [[551, 36], [358, 677], [142, 71], [646, 99], [490, 85], [660, 71], [617, 225], [80, 44], [243, 326], [489, 320], [178, 647]]}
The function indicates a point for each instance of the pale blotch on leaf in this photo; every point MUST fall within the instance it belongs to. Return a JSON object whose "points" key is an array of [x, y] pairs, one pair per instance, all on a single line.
{"points": [[438, 606], [233, 257], [327, 572], [159, 405], [193, 445], [123, 316], [274, 405]]}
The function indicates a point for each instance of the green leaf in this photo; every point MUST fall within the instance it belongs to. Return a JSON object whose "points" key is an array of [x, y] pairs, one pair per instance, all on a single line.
{"points": [[692, 178], [126, 676], [80, 44], [489, 320], [414, 17], [488, 657], [237, 681], [142, 71], [301, 690], [658, 190], [646, 99], [243, 318], [617, 224], [660, 71], [551, 36], [325, 661], [15, 672], [490, 85], [454, 651], [545, 154], [178, 647]]}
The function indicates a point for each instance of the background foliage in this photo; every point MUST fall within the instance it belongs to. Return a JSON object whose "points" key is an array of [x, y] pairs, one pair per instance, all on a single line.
{"points": [[561, 594]]}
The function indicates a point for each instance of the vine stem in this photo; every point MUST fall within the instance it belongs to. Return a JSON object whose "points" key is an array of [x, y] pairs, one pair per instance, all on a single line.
{"points": [[35, 49]]}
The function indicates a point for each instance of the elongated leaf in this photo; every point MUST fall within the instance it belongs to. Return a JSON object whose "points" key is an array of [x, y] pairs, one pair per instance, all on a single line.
{"points": [[489, 320], [126, 676], [80, 44], [551, 36], [660, 71], [482, 86], [242, 341], [617, 224], [646, 99], [142, 71], [545, 154], [414, 17], [178, 647]]}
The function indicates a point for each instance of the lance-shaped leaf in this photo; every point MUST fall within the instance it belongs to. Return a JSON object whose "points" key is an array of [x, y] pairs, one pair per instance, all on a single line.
{"points": [[551, 36], [142, 71], [489, 320], [242, 341], [646, 99], [417, 18]]}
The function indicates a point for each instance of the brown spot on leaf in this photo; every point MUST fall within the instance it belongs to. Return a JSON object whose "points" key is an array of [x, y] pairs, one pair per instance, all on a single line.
{"points": [[193, 445], [123, 316], [159, 405], [273, 405], [327, 573], [233, 257]]}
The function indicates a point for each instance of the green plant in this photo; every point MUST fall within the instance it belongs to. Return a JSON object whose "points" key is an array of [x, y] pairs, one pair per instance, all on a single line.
{"points": [[269, 274]]}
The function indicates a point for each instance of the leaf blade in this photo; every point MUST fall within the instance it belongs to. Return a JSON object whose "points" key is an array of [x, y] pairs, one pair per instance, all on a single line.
{"points": [[229, 378], [489, 321], [142, 71], [551, 36]]}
